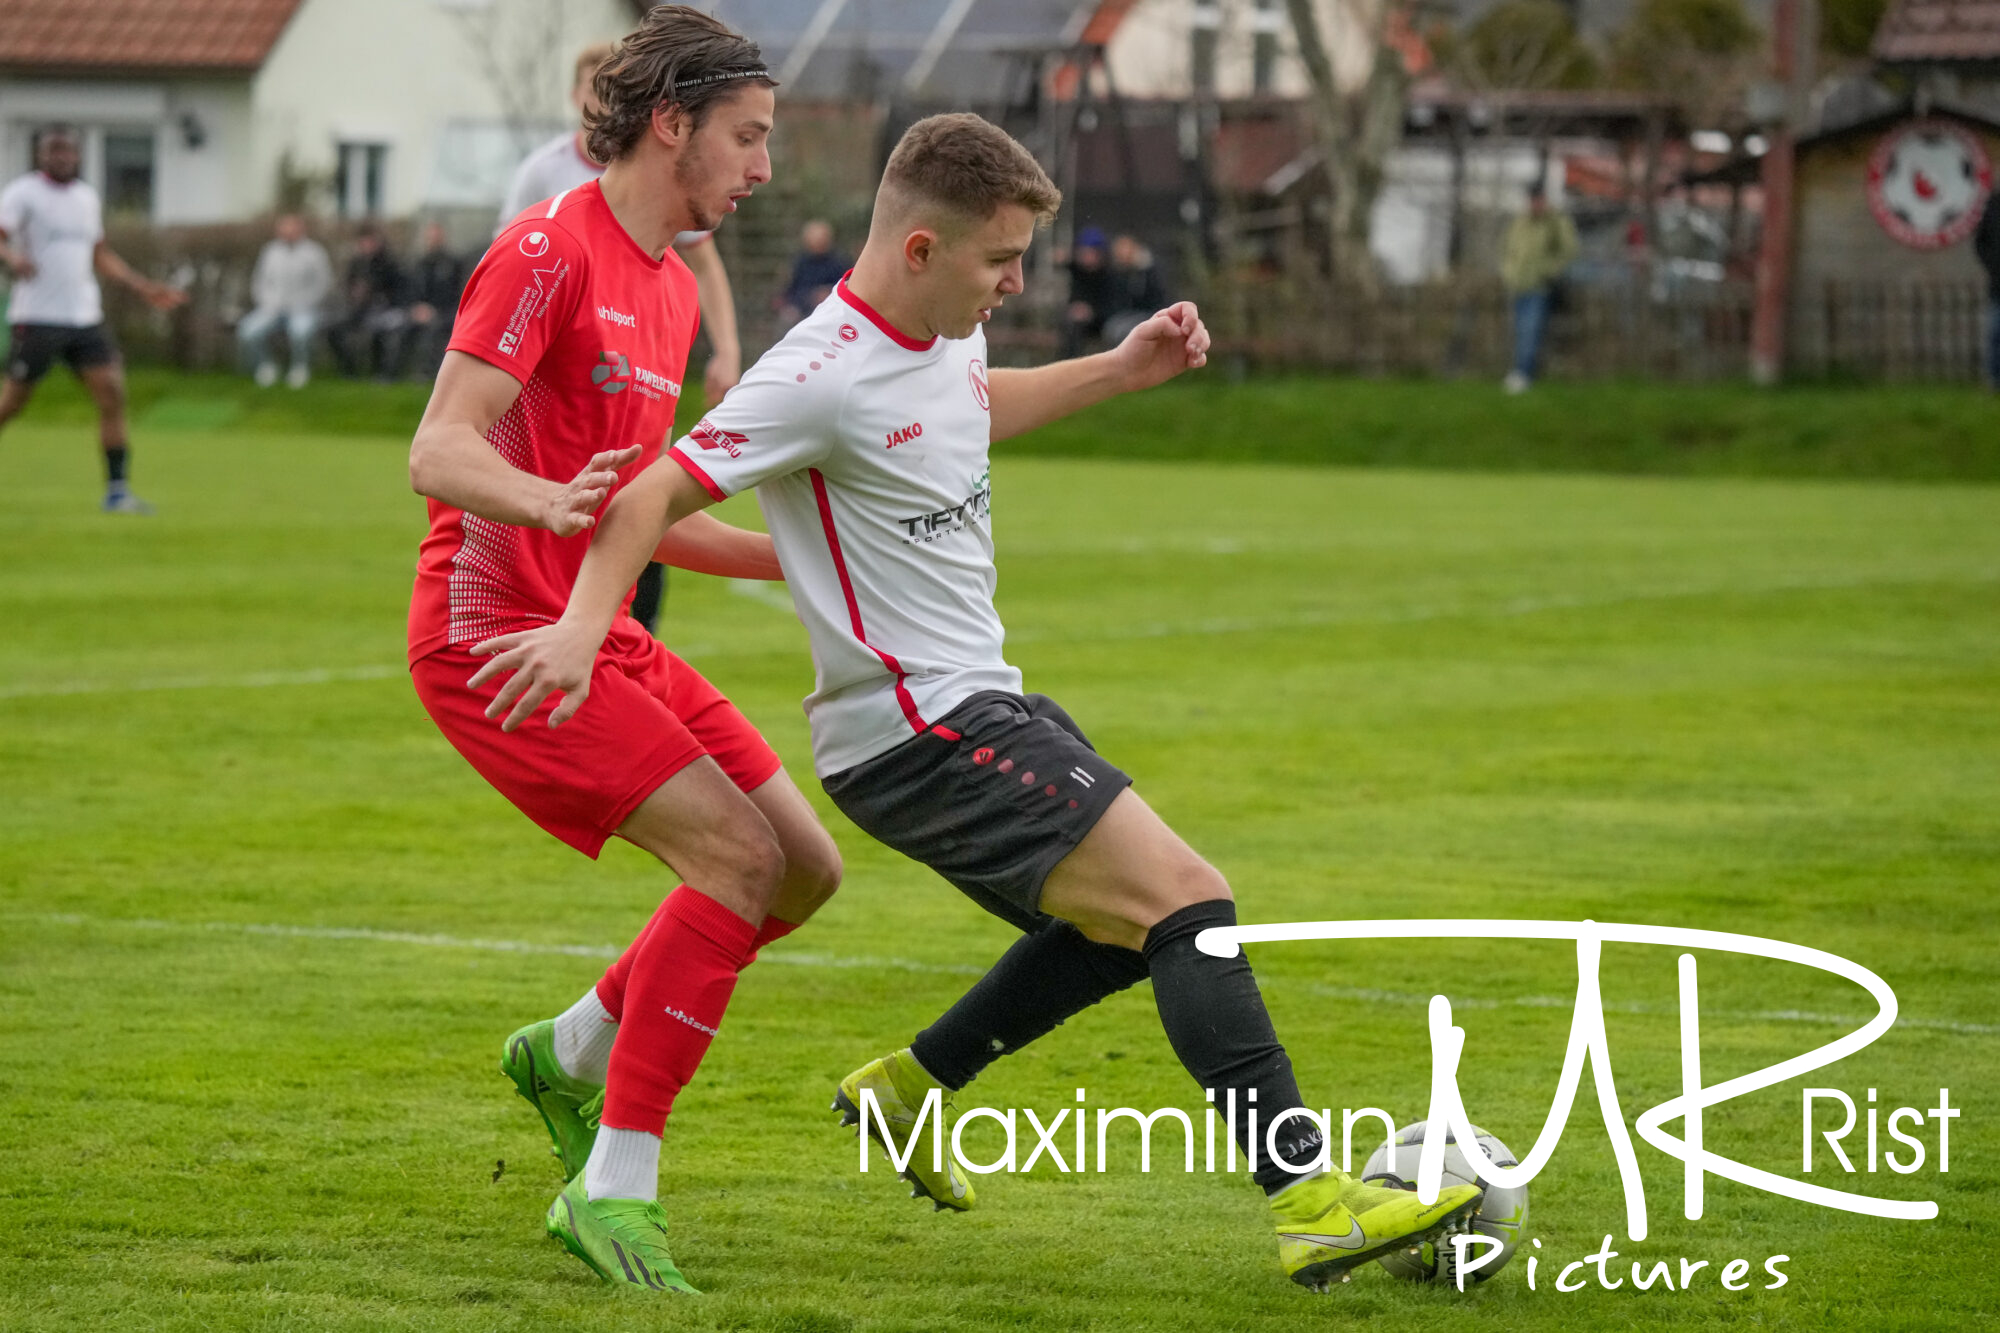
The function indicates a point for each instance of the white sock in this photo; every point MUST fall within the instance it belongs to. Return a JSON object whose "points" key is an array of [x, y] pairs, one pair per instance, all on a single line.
{"points": [[584, 1033], [624, 1164]]}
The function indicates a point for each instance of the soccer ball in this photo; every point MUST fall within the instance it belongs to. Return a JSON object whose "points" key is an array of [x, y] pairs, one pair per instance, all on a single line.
{"points": [[1502, 1214]]}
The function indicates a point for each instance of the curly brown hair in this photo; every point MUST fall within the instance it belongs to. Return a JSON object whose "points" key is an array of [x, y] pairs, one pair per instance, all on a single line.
{"points": [[967, 167], [678, 57]]}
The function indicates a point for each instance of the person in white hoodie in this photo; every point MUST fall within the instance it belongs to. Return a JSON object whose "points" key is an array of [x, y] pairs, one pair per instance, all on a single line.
{"points": [[289, 285]]}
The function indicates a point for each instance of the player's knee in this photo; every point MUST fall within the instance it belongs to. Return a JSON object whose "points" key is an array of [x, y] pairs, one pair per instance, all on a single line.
{"points": [[1196, 881], [813, 873], [756, 867]]}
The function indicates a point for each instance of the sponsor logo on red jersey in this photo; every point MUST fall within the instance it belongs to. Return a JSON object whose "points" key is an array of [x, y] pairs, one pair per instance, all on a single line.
{"points": [[713, 437], [905, 435], [612, 373], [543, 284]]}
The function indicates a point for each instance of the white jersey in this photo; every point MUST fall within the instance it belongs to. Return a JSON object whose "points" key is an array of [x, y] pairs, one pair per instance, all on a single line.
{"points": [[556, 166], [57, 227], [869, 454]]}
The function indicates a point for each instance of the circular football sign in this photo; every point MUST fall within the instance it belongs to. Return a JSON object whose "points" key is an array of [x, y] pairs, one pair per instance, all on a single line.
{"points": [[1927, 183]]}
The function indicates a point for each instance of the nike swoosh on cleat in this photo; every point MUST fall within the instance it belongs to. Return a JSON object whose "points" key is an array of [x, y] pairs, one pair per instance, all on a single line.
{"points": [[1353, 1240]]}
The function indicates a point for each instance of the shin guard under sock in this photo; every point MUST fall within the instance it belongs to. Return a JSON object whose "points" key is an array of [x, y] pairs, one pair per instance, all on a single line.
{"points": [[611, 986], [1214, 1015], [678, 986], [1048, 975]]}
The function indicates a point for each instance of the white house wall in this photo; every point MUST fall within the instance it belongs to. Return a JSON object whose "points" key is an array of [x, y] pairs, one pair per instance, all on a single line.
{"points": [[191, 183], [1152, 53], [403, 73]]}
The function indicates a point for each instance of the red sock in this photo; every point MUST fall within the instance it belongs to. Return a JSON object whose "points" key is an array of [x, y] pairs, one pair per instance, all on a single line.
{"points": [[611, 986], [772, 930], [678, 985]]}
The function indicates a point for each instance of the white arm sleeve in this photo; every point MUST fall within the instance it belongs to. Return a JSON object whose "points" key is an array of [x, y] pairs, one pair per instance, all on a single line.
{"points": [[782, 418]]}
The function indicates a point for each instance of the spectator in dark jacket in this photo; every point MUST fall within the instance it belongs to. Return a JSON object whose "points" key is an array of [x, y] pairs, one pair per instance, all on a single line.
{"points": [[438, 282], [1090, 292], [1986, 244], [368, 336], [815, 270], [1136, 289]]}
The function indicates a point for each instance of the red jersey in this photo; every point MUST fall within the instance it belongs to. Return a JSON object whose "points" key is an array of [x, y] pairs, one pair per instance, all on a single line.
{"points": [[597, 331]]}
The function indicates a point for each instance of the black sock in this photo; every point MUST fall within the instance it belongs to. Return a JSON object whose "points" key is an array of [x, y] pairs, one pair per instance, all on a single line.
{"points": [[1048, 975], [1216, 1020], [115, 459]]}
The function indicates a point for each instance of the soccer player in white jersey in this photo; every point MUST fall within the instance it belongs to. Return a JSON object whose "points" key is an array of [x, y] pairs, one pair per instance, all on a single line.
{"points": [[52, 241], [563, 163], [866, 433]]}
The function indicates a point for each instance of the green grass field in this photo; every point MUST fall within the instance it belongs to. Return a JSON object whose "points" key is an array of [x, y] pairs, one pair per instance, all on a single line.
{"points": [[261, 930]]}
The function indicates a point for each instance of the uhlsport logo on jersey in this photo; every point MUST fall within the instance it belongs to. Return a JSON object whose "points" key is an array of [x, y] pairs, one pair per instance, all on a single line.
{"points": [[535, 244], [612, 373]]}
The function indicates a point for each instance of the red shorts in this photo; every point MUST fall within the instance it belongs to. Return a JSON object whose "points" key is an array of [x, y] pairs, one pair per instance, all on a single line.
{"points": [[649, 715]]}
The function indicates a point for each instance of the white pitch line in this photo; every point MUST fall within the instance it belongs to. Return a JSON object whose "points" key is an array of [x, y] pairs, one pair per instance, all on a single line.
{"points": [[797, 958], [1640, 1007], [766, 595], [428, 940], [257, 680]]}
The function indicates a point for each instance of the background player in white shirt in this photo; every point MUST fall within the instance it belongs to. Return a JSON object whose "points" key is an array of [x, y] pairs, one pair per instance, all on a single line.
{"points": [[52, 241], [866, 432], [562, 164]]}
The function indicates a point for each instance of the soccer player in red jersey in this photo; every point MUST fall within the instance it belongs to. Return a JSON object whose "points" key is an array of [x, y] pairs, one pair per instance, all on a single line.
{"points": [[559, 385], [867, 431]]}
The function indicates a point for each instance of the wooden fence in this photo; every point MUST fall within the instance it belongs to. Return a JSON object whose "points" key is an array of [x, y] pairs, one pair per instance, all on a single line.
{"points": [[1692, 331]]}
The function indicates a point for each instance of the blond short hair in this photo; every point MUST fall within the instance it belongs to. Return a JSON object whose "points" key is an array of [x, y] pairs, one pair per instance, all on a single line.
{"points": [[966, 167]]}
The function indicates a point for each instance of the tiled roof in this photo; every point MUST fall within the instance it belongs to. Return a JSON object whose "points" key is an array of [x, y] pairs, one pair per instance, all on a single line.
{"points": [[82, 35], [1914, 31]]}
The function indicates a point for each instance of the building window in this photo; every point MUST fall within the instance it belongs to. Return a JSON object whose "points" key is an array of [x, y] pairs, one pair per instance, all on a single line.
{"points": [[1265, 25], [128, 172], [363, 179], [1207, 31]]}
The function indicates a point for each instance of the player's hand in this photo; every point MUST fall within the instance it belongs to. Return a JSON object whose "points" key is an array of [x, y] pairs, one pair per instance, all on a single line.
{"points": [[160, 296], [1170, 342], [720, 376], [573, 509], [21, 266], [555, 659]]}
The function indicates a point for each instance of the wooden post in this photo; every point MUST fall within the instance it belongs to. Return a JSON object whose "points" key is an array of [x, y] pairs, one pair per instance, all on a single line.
{"points": [[1774, 257]]}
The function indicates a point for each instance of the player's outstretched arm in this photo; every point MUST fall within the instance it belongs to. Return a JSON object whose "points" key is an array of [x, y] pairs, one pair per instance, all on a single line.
{"points": [[451, 461], [718, 319], [704, 544], [557, 659], [1170, 342], [159, 295]]}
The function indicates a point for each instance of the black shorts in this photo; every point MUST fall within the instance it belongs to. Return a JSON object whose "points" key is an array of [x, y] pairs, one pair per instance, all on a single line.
{"points": [[991, 797], [35, 348]]}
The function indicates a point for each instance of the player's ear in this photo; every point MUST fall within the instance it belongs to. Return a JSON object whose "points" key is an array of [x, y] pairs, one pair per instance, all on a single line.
{"points": [[918, 249], [672, 125]]}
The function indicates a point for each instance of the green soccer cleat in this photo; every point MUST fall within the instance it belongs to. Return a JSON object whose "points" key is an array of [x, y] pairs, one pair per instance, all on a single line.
{"points": [[623, 1241], [1331, 1224], [901, 1086], [569, 1107]]}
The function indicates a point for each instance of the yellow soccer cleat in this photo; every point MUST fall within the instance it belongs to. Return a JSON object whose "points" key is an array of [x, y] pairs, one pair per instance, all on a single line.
{"points": [[1330, 1224], [901, 1090]]}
